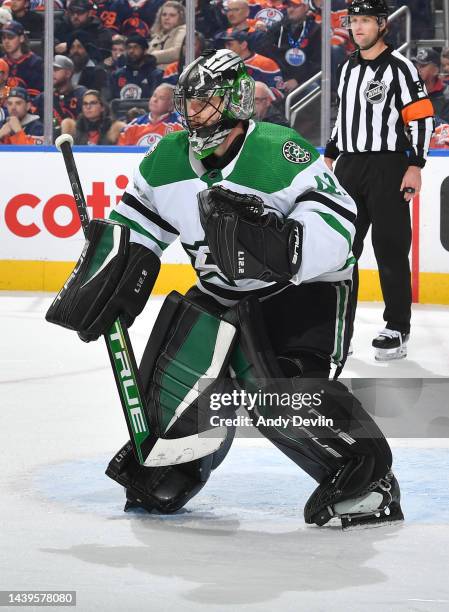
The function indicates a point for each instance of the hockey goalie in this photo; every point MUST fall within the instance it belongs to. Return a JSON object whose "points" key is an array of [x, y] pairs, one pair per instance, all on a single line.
{"points": [[269, 232]]}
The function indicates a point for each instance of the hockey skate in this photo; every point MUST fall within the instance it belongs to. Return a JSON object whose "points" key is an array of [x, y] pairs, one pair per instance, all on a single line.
{"points": [[390, 344], [378, 505]]}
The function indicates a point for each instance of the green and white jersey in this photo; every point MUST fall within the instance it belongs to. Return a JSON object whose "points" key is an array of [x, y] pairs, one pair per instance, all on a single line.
{"points": [[274, 163]]}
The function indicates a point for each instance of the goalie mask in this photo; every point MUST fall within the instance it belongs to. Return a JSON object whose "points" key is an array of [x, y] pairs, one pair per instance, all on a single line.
{"points": [[213, 94]]}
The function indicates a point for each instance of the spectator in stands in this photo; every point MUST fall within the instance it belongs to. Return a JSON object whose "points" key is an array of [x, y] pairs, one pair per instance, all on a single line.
{"points": [[21, 127], [237, 12], [444, 61], [79, 19], [26, 69], [133, 113], [147, 131], [33, 22], [261, 68], [265, 13], [67, 99], [427, 62], [341, 43], [269, 107], [117, 58], [39, 5], [168, 33], [144, 10], [295, 44], [94, 125], [173, 70], [4, 74], [112, 13], [210, 17], [4, 89], [139, 77], [86, 72], [5, 15], [135, 25], [340, 35], [440, 137]]}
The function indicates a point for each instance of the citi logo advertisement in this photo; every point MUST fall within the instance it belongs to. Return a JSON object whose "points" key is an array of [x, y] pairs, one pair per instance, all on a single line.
{"points": [[27, 214]]}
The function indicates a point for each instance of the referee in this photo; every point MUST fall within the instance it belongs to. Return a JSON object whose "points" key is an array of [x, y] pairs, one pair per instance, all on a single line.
{"points": [[381, 138]]}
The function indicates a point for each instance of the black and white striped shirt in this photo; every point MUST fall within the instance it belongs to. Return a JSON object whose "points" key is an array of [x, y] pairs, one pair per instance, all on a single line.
{"points": [[383, 106]]}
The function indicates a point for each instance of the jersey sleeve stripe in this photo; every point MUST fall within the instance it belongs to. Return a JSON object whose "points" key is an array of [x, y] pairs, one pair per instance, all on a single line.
{"points": [[314, 196], [429, 128], [406, 66], [343, 135], [133, 215], [421, 133], [336, 225], [133, 225], [421, 109], [137, 238], [411, 87], [351, 261], [133, 202]]}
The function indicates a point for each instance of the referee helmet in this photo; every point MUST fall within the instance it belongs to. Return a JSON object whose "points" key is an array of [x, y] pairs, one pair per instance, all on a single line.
{"points": [[372, 8], [376, 8]]}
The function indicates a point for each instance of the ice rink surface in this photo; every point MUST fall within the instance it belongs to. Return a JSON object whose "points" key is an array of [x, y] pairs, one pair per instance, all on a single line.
{"points": [[241, 544]]}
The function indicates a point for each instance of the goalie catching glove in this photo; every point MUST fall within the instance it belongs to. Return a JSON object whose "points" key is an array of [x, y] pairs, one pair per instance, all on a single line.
{"points": [[113, 278], [245, 242]]}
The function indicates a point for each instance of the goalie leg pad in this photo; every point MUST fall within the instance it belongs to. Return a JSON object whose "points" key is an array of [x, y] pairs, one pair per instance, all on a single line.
{"points": [[191, 340], [187, 355], [319, 450]]}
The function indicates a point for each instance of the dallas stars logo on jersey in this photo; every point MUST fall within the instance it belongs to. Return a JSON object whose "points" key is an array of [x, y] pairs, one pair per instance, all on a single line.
{"points": [[295, 153]]}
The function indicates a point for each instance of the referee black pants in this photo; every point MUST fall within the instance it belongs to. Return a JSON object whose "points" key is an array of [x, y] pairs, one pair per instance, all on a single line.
{"points": [[374, 180]]}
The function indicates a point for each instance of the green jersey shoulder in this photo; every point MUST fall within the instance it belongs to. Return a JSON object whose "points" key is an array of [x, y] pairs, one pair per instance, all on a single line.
{"points": [[168, 162], [270, 158]]}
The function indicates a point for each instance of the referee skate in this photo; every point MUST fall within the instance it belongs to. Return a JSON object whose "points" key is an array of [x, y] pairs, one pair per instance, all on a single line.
{"points": [[390, 344]]}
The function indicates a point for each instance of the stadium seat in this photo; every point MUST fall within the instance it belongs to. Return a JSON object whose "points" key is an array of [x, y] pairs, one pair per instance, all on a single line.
{"points": [[37, 46], [120, 107]]}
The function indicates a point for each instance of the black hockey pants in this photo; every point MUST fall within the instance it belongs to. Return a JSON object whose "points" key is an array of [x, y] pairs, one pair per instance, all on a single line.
{"points": [[374, 180]]}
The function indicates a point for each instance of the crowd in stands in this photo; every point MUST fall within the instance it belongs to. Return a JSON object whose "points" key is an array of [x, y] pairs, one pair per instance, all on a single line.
{"points": [[116, 62]]}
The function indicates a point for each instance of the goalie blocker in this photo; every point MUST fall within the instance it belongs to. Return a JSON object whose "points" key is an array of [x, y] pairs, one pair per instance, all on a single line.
{"points": [[112, 278]]}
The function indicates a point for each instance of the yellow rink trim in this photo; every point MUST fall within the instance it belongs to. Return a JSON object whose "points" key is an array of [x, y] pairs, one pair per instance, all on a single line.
{"points": [[20, 275]]}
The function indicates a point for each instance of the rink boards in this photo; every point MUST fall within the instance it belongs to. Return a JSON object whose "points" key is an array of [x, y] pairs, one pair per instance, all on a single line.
{"points": [[40, 236]]}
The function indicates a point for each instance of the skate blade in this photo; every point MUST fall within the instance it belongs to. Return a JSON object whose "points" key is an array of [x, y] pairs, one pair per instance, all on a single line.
{"points": [[367, 522], [390, 354]]}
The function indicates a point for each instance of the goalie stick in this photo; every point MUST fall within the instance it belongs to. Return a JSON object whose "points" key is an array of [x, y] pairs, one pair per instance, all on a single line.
{"points": [[149, 449]]}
